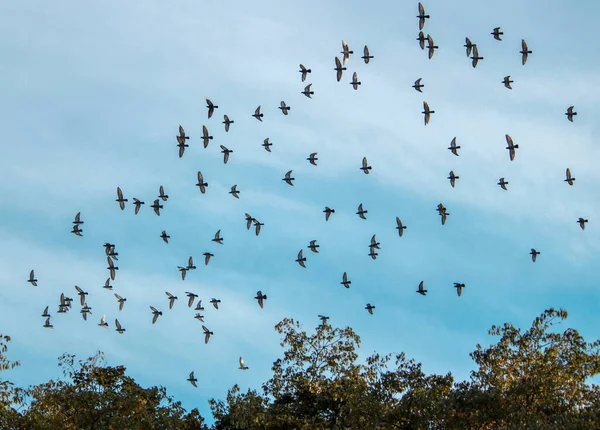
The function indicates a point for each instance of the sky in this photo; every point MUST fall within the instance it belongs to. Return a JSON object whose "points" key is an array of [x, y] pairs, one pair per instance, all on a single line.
{"points": [[92, 96]]}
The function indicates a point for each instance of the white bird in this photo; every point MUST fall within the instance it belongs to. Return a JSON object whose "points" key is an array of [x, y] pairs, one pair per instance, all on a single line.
{"points": [[242, 365]]}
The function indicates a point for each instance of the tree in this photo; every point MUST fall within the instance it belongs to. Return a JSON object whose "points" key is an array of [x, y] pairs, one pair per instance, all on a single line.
{"points": [[9, 394]]}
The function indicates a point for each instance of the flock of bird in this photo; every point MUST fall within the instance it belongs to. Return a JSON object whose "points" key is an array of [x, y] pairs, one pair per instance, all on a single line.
{"points": [[472, 51]]}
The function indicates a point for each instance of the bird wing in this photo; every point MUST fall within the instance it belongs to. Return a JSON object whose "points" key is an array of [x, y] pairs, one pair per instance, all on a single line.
{"points": [[421, 9], [117, 324], [200, 178], [242, 362], [509, 140]]}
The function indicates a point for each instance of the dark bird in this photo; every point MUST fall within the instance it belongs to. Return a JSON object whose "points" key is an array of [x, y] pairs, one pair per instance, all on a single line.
{"points": [[164, 236], [418, 85], [211, 108], [328, 212], [218, 239], [312, 158], [443, 213], [346, 52], [284, 108], [453, 147], [323, 319], [304, 72], [191, 298], [81, 295], [227, 122], [288, 178], [370, 308], [267, 145], [201, 184], [207, 334], [307, 92], [182, 134], [111, 267], [421, 289], [372, 253], [207, 256], [107, 285], [109, 248], [261, 298], [374, 244], [475, 56], [345, 282], [192, 380], [257, 225], [199, 306], [422, 16], [361, 212], [459, 288], [507, 82], [215, 302], [338, 68], [431, 46], [427, 112], [503, 184], [355, 82], [205, 136], [300, 260], [225, 153], [120, 198], [453, 178], [366, 55], [257, 114], [365, 166], [121, 301], [496, 33], [313, 246], [190, 265], [234, 192], [511, 147], [534, 254], [183, 271], [400, 227], [468, 45], [119, 329], [199, 317], [47, 323], [182, 145], [569, 179], [77, 231], [524, 51], [138, 204], [570, 113], [157, 207], [582, 222], [421, 39], [46, 314], [171, 298], [78, 219], [161, 194]]}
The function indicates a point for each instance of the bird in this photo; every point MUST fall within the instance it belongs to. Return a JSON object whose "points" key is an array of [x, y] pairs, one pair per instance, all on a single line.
{"points": [[475, 56], [418, 85], [328, 212], [199, 306], [323, 319], [77, 231], [453, 178], [534, 254], [496, 33], [103, 322], [138, 204], [161, 194], [307, 92], [215, 302], [84, 311], [47, 323], [422, 16], [242, 365], [582, 222], [201, 184], [78, 219], [284, 108], [207, 334], [431, 46], [205, 136], [257, 225], [570, 113], [421, 289], [46, 314], [199, 317], [569, 179], [120, 198], [157, 207], [370, 308], [400, 227], [427, 112], [227, 122], [111, 268], [288, 178], [267, 145], [304, 72], [361, 212], [182, 145], [524, 51], [234, 192], [421, 39], [312, 158], [121, 301], [365, 166], [372, 253], [192, 379], [261, 298], [257, 114], [171, 298], [459, 288], [190, 265], [355, 82], [442, 211], [164, 236], [155, 314], [313, 246], [346, 52], [503, 184], [345, 282], [218, 239], [300, 260], [338, 68], [119, 329], [366, 55], [374, 244], [211, 108], [507, 82], [511, 147], [453, 147], [183, 271], [225, 153], [468, 45], [182, 133], [207, 256], [191, 298]]}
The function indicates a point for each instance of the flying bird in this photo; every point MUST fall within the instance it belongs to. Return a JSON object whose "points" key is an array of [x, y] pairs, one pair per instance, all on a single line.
{"points": [[157, 207], [338, 68], [418, 85], [211, 108], [215, 302], [227, 122], [372, 253], [242, 365], [431, 46], [77, 231], [300, 260], [534, 254], [191, 298], [192, 380], [355, 82], [468, 45], [582, 222], [304, 72], [218, 239], [207, 334], [312, 158], [323, 319], [524, 51], [119, 329], [182, 145], [365, 166], [475, 56], [346, 52], [225, 153], [328, 212], [164, 236], [111, 267], [47, 323], [207, 256], [345, 282], [427, 112], [103, 322], [46, 314], [234, 192], [400, 227], [422, 16], [182, 133], [183, 271], [370, 308], [190, 265], [453, 147], [284, 108], [288, 178], [459, 288], [267, 145], [366, 55], [261, 298], [503, 184], [257, 225], [205, 136], [453, 178], [138, 204], [511, 147], [161, 194], [257, 114], [374, 244], [120, 198], [155, 314], [199, 306], [361, 212], [78, 219], [313, 246], [569, 179], [507, 82], [307, 92], [201, 184], [421, 39], [171, 298], [121, 301], [496, 33], [570, 113], [421, 289]]}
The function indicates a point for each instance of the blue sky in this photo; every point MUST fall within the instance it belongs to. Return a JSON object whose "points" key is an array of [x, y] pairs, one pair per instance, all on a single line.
{"points": [[92, 96]]}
